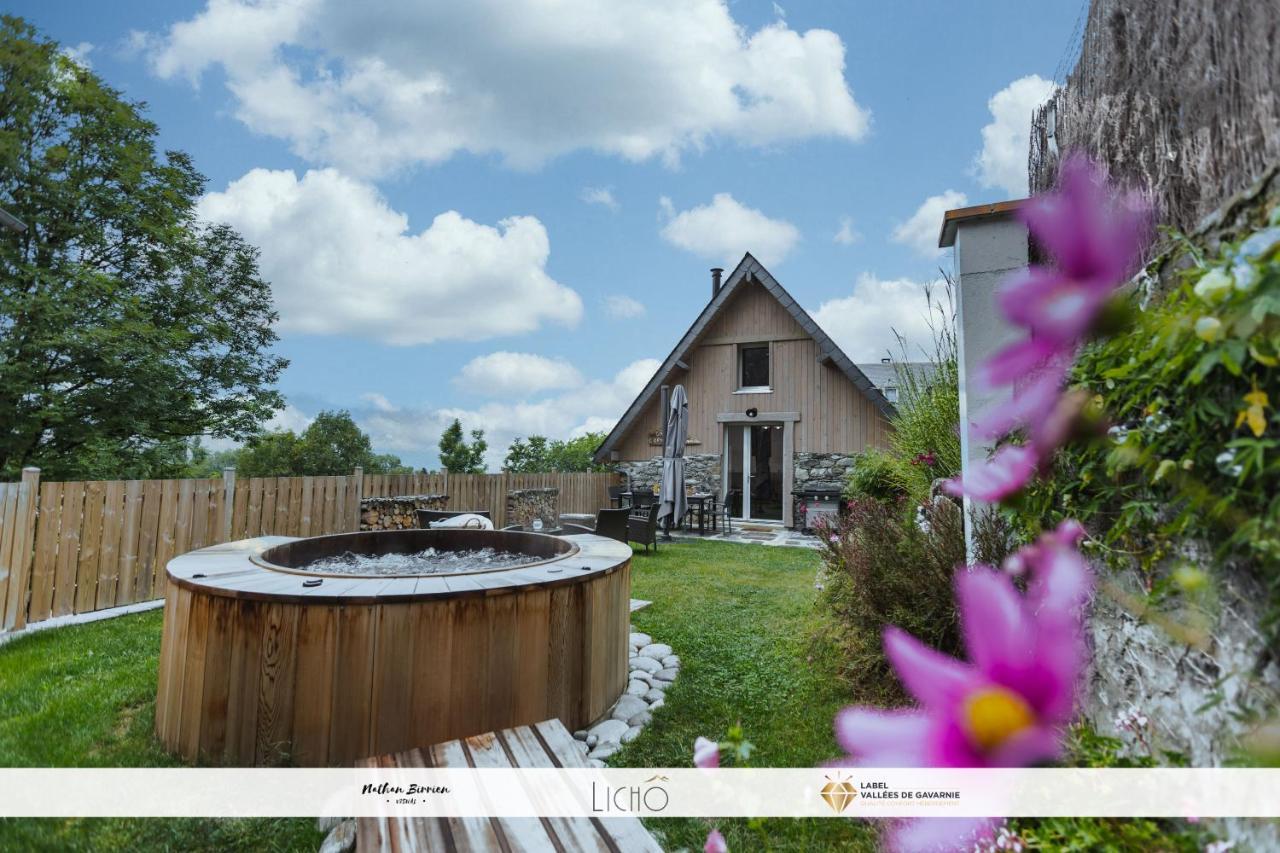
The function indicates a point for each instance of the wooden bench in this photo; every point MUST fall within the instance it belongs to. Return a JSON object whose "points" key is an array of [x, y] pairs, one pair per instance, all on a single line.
{"points": [[545, 744]]}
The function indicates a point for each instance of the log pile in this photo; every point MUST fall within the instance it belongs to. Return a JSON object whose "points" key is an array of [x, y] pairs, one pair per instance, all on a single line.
{"points": [[397, 513]]}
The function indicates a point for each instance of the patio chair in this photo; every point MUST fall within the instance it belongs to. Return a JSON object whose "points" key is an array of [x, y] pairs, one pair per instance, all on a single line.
{"points": [[642, 526], [616, 495], [427, 516], [613, 523], [643, 498]]}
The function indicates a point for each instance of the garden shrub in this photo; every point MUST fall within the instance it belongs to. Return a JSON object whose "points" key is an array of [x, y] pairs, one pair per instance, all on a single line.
{"points": [[877, 475], [926, 427], [1190, 392], [881, 568]]}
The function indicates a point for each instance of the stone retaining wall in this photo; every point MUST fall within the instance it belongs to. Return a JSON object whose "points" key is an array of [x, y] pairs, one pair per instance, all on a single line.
{"points": [[701, 471], [397, 513]]}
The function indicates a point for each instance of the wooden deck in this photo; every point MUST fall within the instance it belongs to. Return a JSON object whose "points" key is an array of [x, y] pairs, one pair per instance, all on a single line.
{"points": [[545, 744]]}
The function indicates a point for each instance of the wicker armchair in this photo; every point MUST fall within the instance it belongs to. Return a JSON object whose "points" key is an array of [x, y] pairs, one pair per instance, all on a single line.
{"points": [[642, 526]]}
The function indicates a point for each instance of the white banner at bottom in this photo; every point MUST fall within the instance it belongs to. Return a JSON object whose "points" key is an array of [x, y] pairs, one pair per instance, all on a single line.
{"points": [[665, 792]]}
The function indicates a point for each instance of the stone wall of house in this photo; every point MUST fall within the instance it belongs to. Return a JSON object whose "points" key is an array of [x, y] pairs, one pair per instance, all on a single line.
{"points": [[822, 470], [397, 513], [525, 505], [701, 471]]}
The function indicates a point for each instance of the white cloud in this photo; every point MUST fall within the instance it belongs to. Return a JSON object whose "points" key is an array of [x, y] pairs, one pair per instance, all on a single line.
{"points": [[341, 261], [591, 406], [920, 232], [378, 401], [79, 54], [623, 307], [602, 196], [847, 235], [1002, 162], [419, 82], [863, 323], [724, 229], [516, 373]]}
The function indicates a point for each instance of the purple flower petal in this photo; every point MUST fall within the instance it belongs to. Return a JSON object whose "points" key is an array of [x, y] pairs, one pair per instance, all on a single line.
{"points": [[940, 834], [1029, 402], [883, 738], [1015, 362], [997, 630], [1036, 745], [1004, 474], [706, 753], [938, 681], [715, 843]]}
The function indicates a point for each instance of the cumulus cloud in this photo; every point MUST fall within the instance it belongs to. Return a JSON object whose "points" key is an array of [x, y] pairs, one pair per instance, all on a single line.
{"points": [[602, 196], [341, 261], [724, 229], [863, 323], [590, 406], [79, 54], [920, 232], [1002, 162], [419, 82], [622, 307], [516, 373], [847, 235]]}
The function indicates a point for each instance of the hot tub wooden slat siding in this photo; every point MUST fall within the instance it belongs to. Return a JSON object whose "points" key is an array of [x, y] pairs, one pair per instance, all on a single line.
{"points": [[257, 670]]}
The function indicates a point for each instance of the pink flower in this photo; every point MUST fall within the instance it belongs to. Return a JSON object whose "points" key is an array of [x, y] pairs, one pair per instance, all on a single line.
{"points": [[1002, 708], [1004, 474], [1031, 399], [706, 753], [941, 833], [715, 843], [1095, 239]]}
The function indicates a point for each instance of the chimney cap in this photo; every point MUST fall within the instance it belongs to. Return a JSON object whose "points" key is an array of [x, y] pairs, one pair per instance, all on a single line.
{"points": [[885, 360]]}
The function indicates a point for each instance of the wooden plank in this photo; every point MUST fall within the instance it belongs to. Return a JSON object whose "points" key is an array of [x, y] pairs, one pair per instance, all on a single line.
{"points": [[186, 509], [131, 514], [8, 529], [276, 683], [392, 693], [201, 497], [330, 509], [269, 485], [192, 702], [293, 525], [20, 557], [90, 539], [469, 833], [532, 642], [167, 538], [64, 573], [305, 524], [519, 834], [109, 544], [349, 724], [253, 516], [217, 678], [240, 511], [527, 750], [312, 708], [148, 539], [432, 673], [46, 553]]}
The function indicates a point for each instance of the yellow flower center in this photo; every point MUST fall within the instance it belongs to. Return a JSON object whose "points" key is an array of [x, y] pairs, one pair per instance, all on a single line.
{"points": [[994, 714]]}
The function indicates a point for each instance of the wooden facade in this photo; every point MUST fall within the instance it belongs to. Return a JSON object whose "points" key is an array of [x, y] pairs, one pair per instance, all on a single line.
{"points": [[816, 394]]}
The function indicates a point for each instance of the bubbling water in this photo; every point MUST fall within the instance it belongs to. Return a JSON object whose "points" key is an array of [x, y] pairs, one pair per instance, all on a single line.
{"points": [[431, 561]]}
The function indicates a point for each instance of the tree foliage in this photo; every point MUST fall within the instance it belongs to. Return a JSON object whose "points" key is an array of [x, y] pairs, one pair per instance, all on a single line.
{"points": [[126, 326], [537, 454], [457, 455], [331, 444]]}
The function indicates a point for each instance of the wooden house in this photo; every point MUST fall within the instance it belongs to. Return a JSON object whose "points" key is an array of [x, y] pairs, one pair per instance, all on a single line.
{"points": [[775, 407]]}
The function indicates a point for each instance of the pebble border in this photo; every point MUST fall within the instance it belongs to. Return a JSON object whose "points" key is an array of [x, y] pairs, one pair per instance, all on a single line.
{"points": [[653, 667]]}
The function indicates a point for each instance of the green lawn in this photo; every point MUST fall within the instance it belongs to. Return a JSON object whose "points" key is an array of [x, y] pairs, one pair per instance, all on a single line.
{"points": [[739, 616], [85, 697]]}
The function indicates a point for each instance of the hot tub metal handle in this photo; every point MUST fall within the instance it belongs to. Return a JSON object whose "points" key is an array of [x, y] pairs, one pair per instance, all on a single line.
{"points": [[313, 582]]}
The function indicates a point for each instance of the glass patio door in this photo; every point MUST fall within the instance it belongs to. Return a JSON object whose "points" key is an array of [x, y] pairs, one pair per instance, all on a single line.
{"points": [[754, 462]]}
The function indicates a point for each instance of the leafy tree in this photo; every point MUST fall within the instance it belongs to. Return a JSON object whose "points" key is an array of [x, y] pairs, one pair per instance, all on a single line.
{"points": [[126, 326], [576, 453], [457, 455], [537, 455], [331, 444], [527, 457]]}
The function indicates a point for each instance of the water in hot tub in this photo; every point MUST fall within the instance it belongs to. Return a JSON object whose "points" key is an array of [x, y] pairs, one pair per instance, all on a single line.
{"points": [[431, 561]]}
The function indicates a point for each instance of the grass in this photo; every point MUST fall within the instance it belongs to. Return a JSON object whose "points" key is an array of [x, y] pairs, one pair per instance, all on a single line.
{"points": [[742, 620], [741, 617], [84, 696]]}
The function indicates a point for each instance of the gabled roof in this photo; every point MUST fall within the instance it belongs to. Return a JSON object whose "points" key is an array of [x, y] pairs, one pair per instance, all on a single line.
{"points": [[885, 374], [747, 270]]}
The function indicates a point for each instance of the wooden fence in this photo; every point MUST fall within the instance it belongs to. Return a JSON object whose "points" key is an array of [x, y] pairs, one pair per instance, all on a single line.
{"points": [[84, 546]]}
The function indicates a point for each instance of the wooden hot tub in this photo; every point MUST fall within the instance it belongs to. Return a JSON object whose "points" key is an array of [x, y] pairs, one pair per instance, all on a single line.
{"points": [[258, 669]]}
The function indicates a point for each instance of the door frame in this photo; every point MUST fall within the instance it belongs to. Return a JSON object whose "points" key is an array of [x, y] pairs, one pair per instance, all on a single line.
{"points": [[788, 420]]}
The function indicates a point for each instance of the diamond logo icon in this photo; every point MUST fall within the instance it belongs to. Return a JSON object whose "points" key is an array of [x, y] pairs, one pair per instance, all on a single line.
{"points": [[838, 793]]}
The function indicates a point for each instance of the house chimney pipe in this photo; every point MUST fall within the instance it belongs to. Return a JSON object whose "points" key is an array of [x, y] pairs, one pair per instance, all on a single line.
{"points": [[716, 272]]}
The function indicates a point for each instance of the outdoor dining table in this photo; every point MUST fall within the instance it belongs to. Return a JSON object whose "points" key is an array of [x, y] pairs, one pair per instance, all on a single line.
{"points": [[698, 501]]}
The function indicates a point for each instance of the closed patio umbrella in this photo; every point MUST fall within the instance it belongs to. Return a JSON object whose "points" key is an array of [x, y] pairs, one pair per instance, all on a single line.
{"points": [[673, 505]]}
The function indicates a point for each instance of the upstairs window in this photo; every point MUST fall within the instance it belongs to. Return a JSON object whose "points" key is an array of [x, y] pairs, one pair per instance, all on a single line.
{"points": [[891, 393], [753, 366]]}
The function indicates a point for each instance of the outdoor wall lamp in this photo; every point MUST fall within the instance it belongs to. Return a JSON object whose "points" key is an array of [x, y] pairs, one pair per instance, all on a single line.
{"points": [[752, 412]]}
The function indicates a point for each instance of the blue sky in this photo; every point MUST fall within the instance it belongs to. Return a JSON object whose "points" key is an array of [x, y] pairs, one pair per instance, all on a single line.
{"points": [[506, 213]]}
